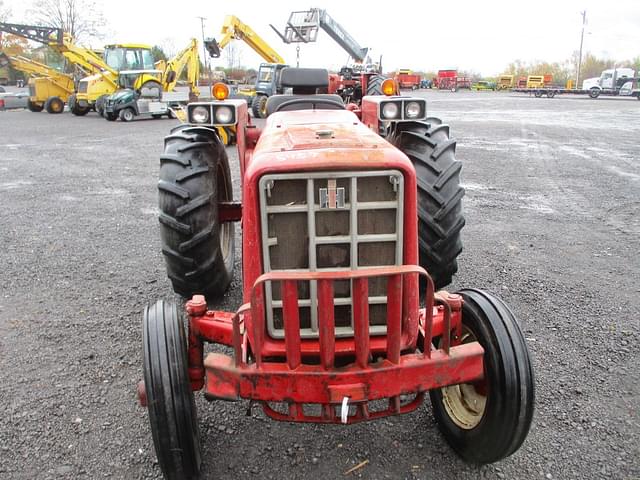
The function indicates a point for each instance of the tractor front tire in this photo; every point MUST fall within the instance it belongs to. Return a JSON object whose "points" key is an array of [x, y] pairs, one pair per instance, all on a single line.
{"points": [[440, 219], [259, 106], [172, 410], [110, 116], [194, 178], [488, 420], [54, 105], [34, 107]]}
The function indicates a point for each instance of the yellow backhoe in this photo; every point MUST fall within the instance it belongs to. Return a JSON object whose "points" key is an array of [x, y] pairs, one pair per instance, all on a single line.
{"points": [[156, 97], [127, 60], [49, 89]]}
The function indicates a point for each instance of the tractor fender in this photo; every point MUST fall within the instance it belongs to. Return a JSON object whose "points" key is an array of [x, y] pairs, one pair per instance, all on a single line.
{"points": [[209, 132]]}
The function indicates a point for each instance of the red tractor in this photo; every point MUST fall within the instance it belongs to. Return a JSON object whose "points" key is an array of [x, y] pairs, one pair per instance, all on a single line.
{"points": [[348, 235]]}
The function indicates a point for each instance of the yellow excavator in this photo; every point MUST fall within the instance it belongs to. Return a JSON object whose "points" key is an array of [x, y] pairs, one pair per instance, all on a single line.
{"points": [[49, 89]]}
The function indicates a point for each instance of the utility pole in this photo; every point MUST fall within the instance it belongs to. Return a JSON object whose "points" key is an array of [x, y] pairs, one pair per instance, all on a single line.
{"points": [[584, 22], [204, 48]]}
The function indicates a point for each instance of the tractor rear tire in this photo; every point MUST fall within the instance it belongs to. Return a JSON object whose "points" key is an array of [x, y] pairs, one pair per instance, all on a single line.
{"points": [[374, 86], [54, 105], [34, 107], [488, 420], [194, 178], [172, 410], [259, 106], [440, 219]]}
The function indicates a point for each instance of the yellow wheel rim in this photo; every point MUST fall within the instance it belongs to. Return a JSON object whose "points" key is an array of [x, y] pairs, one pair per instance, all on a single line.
{"points": [[464, 403]]}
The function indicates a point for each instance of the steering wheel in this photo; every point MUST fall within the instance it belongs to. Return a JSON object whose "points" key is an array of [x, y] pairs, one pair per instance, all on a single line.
{"points": [[312, 101]]}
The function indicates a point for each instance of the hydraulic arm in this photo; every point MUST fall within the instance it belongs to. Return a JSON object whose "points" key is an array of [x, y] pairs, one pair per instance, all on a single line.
{"points": [[187, 58], [32, 67], [48, 88], [234, 29], [62, 42]]}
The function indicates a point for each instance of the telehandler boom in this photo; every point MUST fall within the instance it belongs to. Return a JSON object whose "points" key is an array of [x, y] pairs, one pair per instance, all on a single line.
{"points": [[267, 81], [234, 29]]}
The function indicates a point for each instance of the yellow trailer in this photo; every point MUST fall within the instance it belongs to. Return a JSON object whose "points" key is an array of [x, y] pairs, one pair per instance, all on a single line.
{"points": [[505, 82], [535, 81]]}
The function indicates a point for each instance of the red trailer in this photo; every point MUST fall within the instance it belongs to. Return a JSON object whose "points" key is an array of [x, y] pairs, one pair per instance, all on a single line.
{"points": [[447, 79], [463, 82], [407, 80]]}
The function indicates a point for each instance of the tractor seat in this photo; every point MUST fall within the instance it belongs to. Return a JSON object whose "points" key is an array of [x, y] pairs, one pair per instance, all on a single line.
{"points": [[305, 83]]}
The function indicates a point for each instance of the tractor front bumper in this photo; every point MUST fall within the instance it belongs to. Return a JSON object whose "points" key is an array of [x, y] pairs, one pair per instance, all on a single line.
{"points": [[378, 378], [310, 384]]}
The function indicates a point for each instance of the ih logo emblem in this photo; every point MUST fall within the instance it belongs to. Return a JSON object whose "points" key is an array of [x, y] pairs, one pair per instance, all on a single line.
{"points": [[332, 197]]}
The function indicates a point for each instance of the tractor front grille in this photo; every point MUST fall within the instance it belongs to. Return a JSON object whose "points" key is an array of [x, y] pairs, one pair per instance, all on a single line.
{"points": [[330, 221], [83, 85], [32, 90]]}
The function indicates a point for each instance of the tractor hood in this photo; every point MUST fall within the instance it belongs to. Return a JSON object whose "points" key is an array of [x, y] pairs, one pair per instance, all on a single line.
{"points": [[313, 140], [314, 129]]}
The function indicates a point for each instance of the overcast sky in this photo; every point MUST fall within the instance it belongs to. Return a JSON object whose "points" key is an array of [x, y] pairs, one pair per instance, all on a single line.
{"points": [[479, 35]]}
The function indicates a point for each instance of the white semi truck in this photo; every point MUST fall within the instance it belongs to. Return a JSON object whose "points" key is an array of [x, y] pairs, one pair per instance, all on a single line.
{"points": [[613, 79]]}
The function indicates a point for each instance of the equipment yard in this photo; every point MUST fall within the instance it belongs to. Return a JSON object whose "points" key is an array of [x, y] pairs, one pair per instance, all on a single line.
{"points": [[552, 210]]}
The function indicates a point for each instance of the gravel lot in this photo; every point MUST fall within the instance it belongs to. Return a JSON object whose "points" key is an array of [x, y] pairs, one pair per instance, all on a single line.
{"points": [[553, 226]]}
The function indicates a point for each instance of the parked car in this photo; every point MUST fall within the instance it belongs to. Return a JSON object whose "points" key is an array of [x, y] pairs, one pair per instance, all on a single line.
{"points": [[10, 100], [484, 85]]}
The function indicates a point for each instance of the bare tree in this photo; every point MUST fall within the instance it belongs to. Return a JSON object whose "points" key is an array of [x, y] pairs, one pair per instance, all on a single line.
{"points": [[82, 19], [233, 55]]}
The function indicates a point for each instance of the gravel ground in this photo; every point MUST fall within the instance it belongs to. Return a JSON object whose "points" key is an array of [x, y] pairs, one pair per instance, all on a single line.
{"points": [[553, 227]]}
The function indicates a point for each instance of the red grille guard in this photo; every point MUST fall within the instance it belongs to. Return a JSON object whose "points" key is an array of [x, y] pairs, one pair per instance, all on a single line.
{"points": [[299, 379]]}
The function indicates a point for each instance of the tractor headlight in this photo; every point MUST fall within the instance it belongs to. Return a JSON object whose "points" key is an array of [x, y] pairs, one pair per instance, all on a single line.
{"points": [[412, 110], [223, 115], [390, 111], [199, 114]]}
